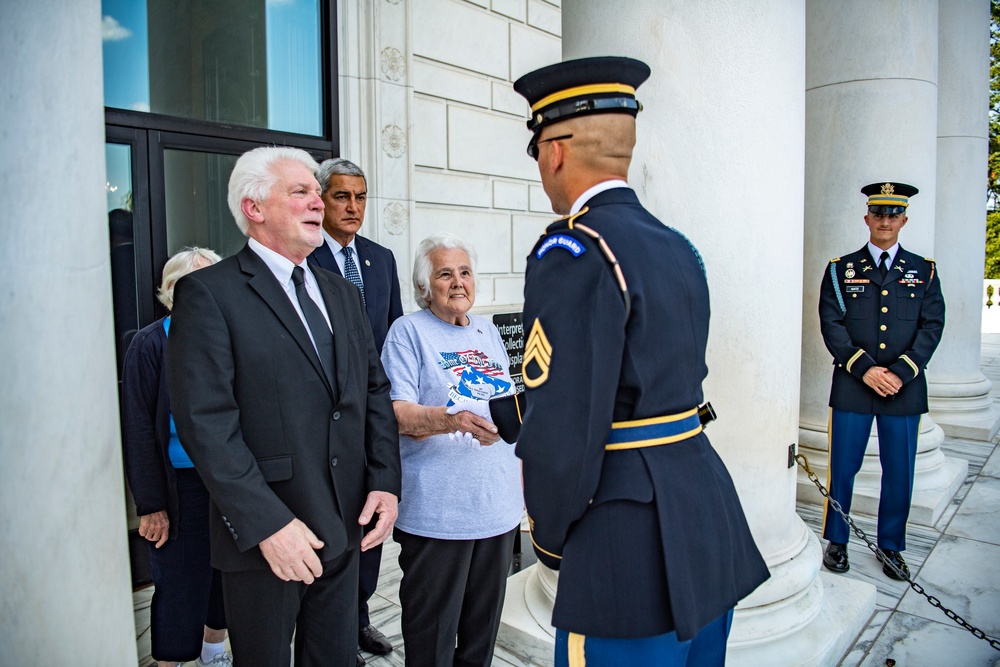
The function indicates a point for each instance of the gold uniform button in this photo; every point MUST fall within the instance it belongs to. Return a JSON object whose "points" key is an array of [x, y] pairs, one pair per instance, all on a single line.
{"points": [[911, 295], [882, 327], [884, 309], [885, 292], [881, 346], [855, 296]]}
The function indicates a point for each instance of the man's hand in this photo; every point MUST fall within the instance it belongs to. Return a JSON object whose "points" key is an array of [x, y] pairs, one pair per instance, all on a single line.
{"points": [[291, 553], [883, 381], [386, 506], [155, 527], [473, 417]]}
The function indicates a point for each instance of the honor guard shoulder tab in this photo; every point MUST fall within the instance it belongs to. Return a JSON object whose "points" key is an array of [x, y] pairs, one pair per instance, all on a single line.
{"points": [[834, 260]]}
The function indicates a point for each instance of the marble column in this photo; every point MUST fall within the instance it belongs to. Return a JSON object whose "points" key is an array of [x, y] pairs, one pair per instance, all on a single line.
{"points": [[720, 157], [871, 115], [958, 392], [64, 581]]}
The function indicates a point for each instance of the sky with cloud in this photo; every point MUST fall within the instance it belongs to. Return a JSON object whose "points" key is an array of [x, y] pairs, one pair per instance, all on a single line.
{"points": [[293, 61]]}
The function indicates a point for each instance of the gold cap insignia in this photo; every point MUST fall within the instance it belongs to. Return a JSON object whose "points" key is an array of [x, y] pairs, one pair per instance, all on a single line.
{"points": [[887, 189]]}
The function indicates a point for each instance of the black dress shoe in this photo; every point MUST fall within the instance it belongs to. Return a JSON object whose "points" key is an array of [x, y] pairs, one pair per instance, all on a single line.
{"points": [[361, 661], [373, 641], [835, 558], [895, 558]]}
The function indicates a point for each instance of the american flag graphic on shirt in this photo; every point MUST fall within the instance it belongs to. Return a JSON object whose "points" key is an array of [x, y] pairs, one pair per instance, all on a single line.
{"points": [[457, 362]]}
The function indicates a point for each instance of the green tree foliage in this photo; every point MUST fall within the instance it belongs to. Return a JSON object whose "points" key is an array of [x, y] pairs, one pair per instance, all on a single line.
{"points": [[992, 271], [994, 160]]}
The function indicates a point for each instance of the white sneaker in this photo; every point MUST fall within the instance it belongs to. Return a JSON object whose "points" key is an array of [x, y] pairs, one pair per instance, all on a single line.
{"points": [[224, 659]]}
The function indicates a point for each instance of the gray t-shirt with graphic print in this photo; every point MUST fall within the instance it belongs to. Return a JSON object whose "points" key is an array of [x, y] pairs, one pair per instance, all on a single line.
{"points": [[452, 491]]}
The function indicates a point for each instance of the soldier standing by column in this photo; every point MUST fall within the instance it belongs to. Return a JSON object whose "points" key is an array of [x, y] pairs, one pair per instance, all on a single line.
{"points": [[626, 496], [881, 314]]}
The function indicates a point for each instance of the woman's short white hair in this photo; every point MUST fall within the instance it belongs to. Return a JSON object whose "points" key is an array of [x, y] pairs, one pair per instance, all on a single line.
{"points": [[182, 263], [253, 177], [422, 266]]}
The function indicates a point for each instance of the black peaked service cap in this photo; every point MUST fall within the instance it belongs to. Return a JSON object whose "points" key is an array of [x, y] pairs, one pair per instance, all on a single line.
{"points": [[578, 87]]}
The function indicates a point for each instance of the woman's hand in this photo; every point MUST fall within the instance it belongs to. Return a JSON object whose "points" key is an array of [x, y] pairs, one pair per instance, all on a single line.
{"points": [[155, 527], [473, 418], [421, 421]]}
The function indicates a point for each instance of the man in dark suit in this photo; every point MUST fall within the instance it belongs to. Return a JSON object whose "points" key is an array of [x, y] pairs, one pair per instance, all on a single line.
{"points": [[626, 496], [881, 314], [280, 400], [345, 195], [372, 268]]}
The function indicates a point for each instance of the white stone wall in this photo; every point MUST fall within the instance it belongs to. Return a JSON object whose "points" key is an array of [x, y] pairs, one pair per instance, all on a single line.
{"points": [[458, 162]]}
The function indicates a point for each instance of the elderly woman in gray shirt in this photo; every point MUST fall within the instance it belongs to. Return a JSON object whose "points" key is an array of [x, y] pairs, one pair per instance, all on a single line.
{"points": [[461, 502]]}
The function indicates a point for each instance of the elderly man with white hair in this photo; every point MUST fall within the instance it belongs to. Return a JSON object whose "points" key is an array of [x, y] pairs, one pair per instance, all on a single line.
{"points": [[282, 403]]}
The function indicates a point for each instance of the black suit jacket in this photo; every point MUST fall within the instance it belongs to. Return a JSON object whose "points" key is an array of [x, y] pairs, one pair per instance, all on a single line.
{"points": [[378, 273], [257, 416], [895, 322]]}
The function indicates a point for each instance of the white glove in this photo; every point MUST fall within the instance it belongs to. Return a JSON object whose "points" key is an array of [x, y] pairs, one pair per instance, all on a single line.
{"points": [[464, 439], [478, 408]]}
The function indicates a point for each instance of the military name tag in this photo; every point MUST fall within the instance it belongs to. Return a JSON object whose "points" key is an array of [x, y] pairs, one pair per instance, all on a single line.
{"points": [[856, 288]]}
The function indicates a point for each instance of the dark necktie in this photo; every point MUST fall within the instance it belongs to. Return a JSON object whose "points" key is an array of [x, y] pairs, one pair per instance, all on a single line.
{"points": [[351, 273], [321, 334], [883, 263]]}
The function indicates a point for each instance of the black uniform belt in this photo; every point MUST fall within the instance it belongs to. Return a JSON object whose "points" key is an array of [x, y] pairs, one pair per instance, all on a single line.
{"points": [[654, 431]]}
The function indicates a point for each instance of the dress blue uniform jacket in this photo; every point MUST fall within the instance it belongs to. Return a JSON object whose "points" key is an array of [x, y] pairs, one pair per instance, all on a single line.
{"points": [[378, 273], [647, 540], [868, 321]]}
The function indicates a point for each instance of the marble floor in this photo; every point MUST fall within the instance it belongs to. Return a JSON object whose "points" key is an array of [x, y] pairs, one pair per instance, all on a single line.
{"points": [[956, 561]]}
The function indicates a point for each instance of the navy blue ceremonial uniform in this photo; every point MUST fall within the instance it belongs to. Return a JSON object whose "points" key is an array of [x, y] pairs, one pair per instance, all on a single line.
{"points": [[893, 322], [648, 537]]}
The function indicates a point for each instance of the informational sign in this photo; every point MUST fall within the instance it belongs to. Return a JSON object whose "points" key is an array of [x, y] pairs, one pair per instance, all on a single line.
{"points": [[511, 330]]}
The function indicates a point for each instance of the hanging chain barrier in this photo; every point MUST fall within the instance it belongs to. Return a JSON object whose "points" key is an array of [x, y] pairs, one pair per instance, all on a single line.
{"points": [[935, 602]]}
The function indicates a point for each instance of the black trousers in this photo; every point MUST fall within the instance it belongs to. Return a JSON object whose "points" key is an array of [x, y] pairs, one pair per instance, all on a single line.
{"points": [[452, 593], [264, 611], [188, 593]]}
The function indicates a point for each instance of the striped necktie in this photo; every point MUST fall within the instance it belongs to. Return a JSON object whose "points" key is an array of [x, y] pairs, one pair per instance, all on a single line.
{"points": [[351, 272]]}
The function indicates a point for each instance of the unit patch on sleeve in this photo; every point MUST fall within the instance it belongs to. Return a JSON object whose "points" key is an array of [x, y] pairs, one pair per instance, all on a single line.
{"points": [[564, 241], [538, 350]]}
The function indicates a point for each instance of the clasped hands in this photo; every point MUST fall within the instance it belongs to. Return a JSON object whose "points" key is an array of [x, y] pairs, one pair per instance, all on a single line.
{"points": [[883, 381], [291, 552], [473, 424]]}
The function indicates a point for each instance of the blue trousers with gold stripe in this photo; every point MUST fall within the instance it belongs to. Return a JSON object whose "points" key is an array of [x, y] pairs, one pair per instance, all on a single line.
{"points": [[706, 649], [897, 451]]}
